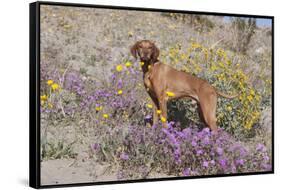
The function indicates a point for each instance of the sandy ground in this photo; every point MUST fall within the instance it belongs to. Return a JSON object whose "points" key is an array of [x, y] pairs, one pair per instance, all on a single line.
{"points": [[69, 171], [65, 171]]}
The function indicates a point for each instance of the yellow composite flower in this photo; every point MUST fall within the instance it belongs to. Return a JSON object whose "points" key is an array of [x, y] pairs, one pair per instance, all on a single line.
{"points": [[43, 97], [119, 92], [229, 108], [252, 92], [149, 66], [163, 119], [55, 86], [99, 108], [141, 63], [158, 111], [119, 68], [149, 105], [250, 98], [170, 94], [50, 82], [128, 64], [248, 125], [130, 34], [256, 114], [195, 45], [213, 68], [105, 116], [50, 105]]}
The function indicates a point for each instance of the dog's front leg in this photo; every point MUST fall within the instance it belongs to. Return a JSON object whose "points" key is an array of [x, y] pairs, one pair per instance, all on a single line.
{"points": [[163, 107], [155, 115], [155, 108]]}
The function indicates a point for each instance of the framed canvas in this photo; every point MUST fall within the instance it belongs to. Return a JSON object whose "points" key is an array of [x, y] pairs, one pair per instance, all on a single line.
{"points": [[126, 94]]}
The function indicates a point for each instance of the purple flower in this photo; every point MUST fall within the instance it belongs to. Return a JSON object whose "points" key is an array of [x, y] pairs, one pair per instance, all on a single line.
{"points": [[205, 164], [119, 85], [95, 146], [199, 152], [194, 143], [219, 151], [223, 163], [186, 172], [266, 158], [113, 76], [170, 124], [166, 150], [212, 162], [206, 140], [260, 148], [148, 118], [266, 166], [206, 130], [120, 175], [243, 152], [240, 162], [124, 156], [233, 169]]}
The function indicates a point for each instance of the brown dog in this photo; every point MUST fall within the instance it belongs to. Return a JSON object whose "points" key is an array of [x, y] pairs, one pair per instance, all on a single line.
{"points": [[164, 83]]}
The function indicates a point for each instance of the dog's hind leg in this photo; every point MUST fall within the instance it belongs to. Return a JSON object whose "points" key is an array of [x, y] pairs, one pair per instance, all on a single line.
{"points": [[208, 106]]}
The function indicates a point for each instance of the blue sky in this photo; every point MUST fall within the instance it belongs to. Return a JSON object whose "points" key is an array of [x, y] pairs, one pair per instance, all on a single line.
{"points": [[263, 22], [260, 21]]}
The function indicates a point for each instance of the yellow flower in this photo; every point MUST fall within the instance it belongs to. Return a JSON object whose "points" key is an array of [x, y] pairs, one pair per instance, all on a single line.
{"points": [[195, 45], [55, 86], [128, 64], [141, 63], [43, 97], [256, 114], [50, 82], [252, 92], [99, 108], [149, 105], [119, 92], [119, 68], [221, 64], [50, 105], [250, 98], [248, 125], [229, 108], [170, 94], [105, 116], [163, 119], [130, 34], [159, 112], [213, 68], [149, 66]]}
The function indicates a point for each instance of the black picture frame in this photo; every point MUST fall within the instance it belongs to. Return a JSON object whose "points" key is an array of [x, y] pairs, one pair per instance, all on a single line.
{"points": [[34, 91]]}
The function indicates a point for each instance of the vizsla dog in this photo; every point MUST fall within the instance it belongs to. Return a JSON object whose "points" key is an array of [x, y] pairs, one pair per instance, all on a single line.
{"points": [[161, 79]]}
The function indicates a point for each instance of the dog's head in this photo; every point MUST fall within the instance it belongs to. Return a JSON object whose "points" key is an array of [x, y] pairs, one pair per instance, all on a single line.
{"points": [[146, 50]]}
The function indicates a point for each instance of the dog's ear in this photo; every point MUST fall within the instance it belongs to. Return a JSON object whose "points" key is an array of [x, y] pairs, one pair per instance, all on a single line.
{"points": [[134, 49], [155, 53]]}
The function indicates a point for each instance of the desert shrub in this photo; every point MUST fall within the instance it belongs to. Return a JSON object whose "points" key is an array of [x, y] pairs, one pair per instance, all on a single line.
{"points": [[198, 22], [221, 70], [57, 150], [137, 151], [243, 31]]}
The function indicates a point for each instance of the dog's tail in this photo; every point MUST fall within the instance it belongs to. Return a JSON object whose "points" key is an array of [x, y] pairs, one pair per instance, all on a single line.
{"points": [[226, 95]]}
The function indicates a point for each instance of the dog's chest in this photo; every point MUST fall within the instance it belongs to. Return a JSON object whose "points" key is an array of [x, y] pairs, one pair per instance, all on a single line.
{"points": [[147, 81]]}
